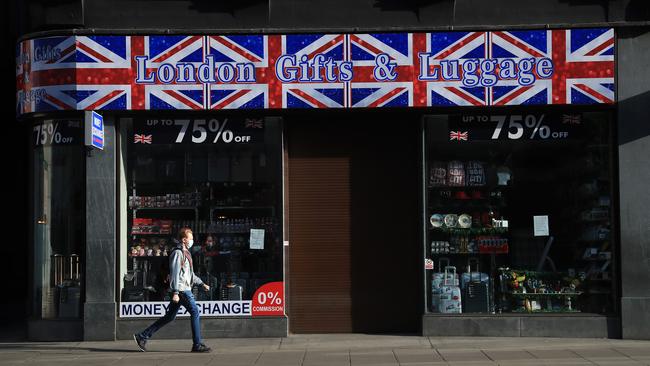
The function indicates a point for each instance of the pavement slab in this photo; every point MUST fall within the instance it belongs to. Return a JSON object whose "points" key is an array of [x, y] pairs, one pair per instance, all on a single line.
{"points": [[337, 350]]}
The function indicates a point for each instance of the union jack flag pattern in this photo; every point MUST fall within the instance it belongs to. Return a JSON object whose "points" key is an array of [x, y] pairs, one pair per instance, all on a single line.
{"points": [[143, 139], [240, 49], [172, 50], [452, 46], [364, 90], [319, 94], [100, 72], [74, 73]]}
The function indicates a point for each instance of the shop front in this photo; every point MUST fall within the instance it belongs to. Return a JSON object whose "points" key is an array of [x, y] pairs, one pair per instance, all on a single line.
{"points": [[449, 183], [519, 223]]}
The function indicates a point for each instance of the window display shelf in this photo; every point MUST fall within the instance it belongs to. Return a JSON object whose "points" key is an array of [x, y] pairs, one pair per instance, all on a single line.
{"points": [[494, 188], [188, 208], [559, 294], [546, 311], [242, 208], [469, 253], [470, 231], [150, 234]]}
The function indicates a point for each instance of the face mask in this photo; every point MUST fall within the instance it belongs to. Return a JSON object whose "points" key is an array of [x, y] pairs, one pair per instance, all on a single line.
{"points": [[190, 243]]}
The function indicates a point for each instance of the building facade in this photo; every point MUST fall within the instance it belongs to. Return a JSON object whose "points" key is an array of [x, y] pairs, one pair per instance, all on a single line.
{"points": [[434, 167]]}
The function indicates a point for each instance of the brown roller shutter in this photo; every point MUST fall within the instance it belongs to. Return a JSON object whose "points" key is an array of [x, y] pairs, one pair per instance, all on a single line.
{"points": [[354, 258], [319, 233]]}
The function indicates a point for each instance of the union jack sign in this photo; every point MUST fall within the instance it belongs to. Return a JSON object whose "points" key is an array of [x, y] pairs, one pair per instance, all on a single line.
{"points": [[197, 72], [458, 136], [143, 139]]}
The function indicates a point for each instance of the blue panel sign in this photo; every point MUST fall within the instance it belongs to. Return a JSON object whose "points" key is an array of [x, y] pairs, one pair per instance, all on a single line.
{"points": [[94, 130]]}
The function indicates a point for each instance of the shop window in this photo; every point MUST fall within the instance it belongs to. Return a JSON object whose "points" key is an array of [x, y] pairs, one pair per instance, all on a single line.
{"points": [[220, 176], [519, 213], [58, 218]]}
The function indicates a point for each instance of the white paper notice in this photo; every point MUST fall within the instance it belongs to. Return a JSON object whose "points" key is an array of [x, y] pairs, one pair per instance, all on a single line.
{"points": [[257, 239], [540, 224]]}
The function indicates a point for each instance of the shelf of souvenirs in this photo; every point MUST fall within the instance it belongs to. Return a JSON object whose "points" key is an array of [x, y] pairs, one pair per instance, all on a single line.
{"points": [[470, 231], [462, 246], [550, 294], [155, 227]]}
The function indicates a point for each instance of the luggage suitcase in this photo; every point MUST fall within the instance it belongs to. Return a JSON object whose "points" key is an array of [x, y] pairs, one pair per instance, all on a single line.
{"points": [[231, 293], [69, 300], [243, 283], [475, 276], [450, 294], [437, 281], [476, 293], [213, 293]]}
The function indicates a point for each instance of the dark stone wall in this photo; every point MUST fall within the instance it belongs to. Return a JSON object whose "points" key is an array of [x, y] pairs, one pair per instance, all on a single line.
{"points": [[100, 307], [634, 172], [330, 15]]}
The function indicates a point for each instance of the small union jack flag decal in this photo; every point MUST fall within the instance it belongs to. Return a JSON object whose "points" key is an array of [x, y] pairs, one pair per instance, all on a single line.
{"points": [[458, 136], [143, 139], [254, 123]]}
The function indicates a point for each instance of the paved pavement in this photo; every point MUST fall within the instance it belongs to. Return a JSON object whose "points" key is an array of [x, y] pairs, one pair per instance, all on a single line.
{"points": [[338, 350]]}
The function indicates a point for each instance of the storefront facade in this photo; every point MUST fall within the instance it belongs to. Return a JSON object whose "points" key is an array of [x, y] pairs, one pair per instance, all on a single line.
{"points": [[334, 181]]}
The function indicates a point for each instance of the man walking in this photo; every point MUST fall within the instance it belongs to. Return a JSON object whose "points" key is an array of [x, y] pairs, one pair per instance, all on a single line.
{"points": [[182, 278]]}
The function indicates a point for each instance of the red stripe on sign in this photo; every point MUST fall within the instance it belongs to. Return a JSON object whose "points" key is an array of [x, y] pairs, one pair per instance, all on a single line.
{"points": [[519, 44], [593, 93], [600, 48], [309, 98], [188, 102], [92, 52], [231, 99], [175, 50], [64, 53], [468, 98], [333, 43], [365, 74], [275, 85], [103, 100], [521, 90], [460, 45], [232, 46], [368, 46], [385, 98], [137, 90], [560, 65], [57, 102], [419, 87]]}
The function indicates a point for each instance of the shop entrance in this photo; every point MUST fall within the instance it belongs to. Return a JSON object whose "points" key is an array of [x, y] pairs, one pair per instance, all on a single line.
{"points": [[354, 257]]}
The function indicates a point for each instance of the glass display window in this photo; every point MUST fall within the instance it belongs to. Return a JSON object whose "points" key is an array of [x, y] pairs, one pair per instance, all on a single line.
{"points": [[519, 213], [58, 207], [219, 176]]}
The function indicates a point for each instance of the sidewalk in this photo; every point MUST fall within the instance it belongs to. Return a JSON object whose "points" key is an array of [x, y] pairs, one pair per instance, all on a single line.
{"points": [[337, 350]]}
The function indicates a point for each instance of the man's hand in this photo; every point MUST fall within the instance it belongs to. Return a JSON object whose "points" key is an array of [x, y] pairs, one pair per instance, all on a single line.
{"points": [[206, 287], [175, 298]]}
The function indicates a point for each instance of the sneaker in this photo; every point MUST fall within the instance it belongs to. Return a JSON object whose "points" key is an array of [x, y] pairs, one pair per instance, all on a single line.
{"points": [[141, 342], [201, 348]]}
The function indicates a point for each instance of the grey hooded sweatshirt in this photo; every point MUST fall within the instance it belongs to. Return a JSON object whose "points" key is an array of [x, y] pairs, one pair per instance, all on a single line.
{"points": [[180, 271]]}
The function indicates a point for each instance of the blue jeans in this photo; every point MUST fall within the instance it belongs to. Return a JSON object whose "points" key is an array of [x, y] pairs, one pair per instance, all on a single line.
{"points": [[187, 300]]}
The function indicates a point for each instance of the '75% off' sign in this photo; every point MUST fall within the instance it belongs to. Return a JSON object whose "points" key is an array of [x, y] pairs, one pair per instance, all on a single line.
{"points": [[513, 127]]}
